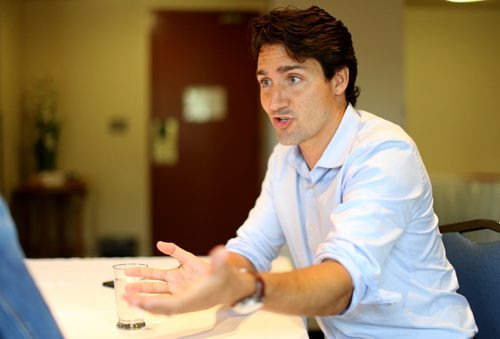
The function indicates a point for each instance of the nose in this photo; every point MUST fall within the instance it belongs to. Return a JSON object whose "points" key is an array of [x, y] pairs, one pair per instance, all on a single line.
{"points": [[274, 98]]}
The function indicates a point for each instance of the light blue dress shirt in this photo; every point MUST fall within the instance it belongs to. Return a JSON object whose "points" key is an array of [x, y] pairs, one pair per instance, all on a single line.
{"points": [[367, 204]]}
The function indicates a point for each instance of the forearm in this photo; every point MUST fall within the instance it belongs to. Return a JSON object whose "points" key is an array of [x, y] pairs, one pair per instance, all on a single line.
{"points": [[324, 289]]}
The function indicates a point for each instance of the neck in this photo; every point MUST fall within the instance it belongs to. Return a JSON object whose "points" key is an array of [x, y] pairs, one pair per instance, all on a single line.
{"points": [[312, 150]]}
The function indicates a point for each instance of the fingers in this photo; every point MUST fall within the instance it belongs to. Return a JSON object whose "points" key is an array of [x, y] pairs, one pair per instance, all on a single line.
{"points": [[148, 287], [165, 303], [146, 273], [191, 267], [154, 304], [175, 251], [192, 299]]}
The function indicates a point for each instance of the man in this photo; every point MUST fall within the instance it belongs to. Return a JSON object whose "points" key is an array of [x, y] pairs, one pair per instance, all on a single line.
{"points": [[23, 312], [346, 190]]}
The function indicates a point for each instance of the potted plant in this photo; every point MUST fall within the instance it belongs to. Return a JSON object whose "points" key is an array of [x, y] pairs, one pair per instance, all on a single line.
{"points": [[47, 127]]}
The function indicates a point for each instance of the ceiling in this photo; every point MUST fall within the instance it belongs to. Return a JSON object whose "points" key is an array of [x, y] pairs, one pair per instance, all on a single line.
{"points": [[444, 3]]}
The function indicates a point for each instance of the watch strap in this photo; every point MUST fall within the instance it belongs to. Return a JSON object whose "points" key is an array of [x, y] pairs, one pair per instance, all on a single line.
{"points": [[260, 287], [254, 301]]}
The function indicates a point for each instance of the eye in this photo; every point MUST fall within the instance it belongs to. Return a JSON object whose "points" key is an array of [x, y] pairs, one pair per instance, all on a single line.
{"points": [[265, 82], [294, 79]]}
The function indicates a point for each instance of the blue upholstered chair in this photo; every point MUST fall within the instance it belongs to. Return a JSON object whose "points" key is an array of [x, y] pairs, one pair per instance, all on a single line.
{"points": [[478, 272]]}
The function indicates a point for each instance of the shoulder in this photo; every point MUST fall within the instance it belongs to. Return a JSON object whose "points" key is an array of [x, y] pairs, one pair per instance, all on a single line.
{"points": [[382, 151], [379, 138], [375, 130]]}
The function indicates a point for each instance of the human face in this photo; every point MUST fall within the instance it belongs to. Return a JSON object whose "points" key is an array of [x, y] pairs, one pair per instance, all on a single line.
{"points": [[301, 104]]}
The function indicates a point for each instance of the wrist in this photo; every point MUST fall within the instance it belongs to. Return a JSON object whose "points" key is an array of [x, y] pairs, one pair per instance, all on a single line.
{"points": [[253, 301]]}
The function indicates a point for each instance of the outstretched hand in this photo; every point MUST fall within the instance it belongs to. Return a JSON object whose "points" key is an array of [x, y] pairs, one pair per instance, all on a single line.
{"points": [[168, 281], [194, 285]]}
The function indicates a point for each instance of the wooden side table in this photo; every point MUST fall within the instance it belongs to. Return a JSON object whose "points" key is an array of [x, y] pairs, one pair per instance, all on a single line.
{"points": [[49, 218]]}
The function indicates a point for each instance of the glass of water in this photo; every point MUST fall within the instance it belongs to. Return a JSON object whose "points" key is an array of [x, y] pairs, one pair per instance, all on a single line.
{"points": [[129, 317]]}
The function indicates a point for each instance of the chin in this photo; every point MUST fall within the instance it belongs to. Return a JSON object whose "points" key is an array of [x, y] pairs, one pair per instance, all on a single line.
{"points": [[289, 139], [287, 142]]}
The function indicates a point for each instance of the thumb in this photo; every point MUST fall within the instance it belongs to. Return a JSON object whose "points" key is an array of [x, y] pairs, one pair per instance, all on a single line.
{"points": [[218, 257], [174, 251]]}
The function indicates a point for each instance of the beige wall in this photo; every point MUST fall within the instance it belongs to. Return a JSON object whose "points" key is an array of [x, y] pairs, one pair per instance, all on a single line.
{"points": [[10, 92], [95, 52], [452, 82], [452, 75]]}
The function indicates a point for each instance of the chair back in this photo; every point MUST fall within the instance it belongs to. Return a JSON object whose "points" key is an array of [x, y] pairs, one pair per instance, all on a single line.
{"points": [[478, 271]]}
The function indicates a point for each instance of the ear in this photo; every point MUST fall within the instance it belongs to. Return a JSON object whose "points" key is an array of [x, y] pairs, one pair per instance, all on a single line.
{"points": [[340, 81]]}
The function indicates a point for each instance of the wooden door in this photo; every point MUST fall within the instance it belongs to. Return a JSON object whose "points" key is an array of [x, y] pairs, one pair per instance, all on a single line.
{"points": [[204, 178]]}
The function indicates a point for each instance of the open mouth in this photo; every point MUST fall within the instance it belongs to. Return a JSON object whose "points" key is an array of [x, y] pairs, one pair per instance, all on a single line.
{"points": [[282, 122]]}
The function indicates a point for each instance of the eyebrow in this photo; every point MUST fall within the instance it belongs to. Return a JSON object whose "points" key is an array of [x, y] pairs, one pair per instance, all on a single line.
{"points": [[282, 69]]}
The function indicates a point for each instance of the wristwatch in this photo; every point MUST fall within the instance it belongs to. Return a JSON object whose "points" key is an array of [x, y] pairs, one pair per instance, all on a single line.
{"points": [[253, 302]]}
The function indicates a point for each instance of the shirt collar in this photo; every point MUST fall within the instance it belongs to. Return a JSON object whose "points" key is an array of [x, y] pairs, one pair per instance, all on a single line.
{"points": [[338, 148]]}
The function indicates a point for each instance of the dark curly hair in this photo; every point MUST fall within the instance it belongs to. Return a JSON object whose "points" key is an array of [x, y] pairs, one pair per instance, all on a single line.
{"points": [[309, 33]]}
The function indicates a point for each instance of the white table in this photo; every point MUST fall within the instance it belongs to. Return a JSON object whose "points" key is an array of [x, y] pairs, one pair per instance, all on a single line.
{"points": [[83, 308]]}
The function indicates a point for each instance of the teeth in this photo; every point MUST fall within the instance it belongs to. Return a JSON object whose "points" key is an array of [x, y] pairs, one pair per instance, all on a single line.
{"points": [[283, 119]]}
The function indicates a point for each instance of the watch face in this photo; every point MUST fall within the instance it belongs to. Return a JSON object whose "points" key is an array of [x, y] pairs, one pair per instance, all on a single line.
{"points": [[248, 305]]}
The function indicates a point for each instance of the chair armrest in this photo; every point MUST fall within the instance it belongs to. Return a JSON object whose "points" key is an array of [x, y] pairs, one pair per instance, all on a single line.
{"points": [[471, 225]]}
